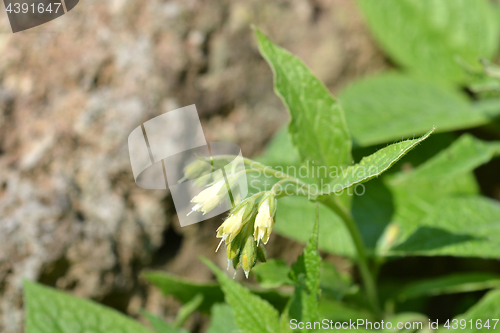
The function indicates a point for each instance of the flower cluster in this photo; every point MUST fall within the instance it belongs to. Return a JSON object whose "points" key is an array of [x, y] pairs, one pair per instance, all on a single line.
{"points": [[249, 224], [246, 229]]}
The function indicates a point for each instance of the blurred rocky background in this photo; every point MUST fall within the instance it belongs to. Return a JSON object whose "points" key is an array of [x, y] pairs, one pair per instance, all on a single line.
{"points": [[73, 89]]}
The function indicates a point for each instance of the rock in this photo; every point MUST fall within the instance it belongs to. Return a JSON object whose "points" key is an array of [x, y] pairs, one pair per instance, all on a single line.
{"points": [[73, 89]]}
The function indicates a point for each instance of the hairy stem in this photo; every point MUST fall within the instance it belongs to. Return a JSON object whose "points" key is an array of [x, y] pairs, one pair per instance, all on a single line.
{"points": [[366, 275]]}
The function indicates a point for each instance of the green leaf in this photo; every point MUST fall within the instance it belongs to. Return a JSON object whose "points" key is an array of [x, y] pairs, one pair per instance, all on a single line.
{"points": [[222, 320], [160, 326], [52, 311], [317, 123], [487, 308], [305, 272], [273, 273], [188, 309], [342, 312], [450, 284], [252, 314], [309, 261], [333, 284], [280, 152], [372, 166], [184, 290], [463, 156], [392, 106], [373, 211], [295, 214], [457, 226], [417, 320], [434, 39], [433, 186], [295, 219]]}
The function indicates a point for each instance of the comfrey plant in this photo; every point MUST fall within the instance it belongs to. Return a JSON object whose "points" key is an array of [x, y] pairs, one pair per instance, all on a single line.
{"points": [[430, 208], [249, 224]]}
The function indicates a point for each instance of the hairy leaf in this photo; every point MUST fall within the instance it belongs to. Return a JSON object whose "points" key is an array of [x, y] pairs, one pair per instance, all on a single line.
{"points": [[434, 39], [184, 290], [52, 311], [252, 314], [317, 123], [222, 320], [463, 156], [306, 272], [456, 226], [392, 106], [434, 186], [450, 284], [372, 166]]}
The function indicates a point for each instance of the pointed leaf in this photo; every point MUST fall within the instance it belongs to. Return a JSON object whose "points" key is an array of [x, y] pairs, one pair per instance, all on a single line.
{"points": [[317, 124], [450, 284], [51, 311], [372, 166], [252, 314], [305, 272], [184, 290]]}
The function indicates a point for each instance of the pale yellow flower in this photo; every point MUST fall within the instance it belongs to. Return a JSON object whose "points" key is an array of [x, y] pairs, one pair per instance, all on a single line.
{"points": [[264, 220], [231, 226], [209, 198]]}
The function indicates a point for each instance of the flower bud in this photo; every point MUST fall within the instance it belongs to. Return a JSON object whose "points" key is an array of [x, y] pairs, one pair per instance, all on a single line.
{"points": [[233, 248], [248, 255], [197, 168], [265, 218], [203, 180]]}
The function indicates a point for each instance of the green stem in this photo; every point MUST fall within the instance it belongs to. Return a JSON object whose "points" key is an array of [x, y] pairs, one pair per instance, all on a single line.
{"points": [[366, 276], [259, 166], [280, 183]]}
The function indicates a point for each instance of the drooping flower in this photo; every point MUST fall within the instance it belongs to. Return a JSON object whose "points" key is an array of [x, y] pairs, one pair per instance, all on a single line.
{"points": [[265, 218], [230, 228], [209, 198], [240, 215]]}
